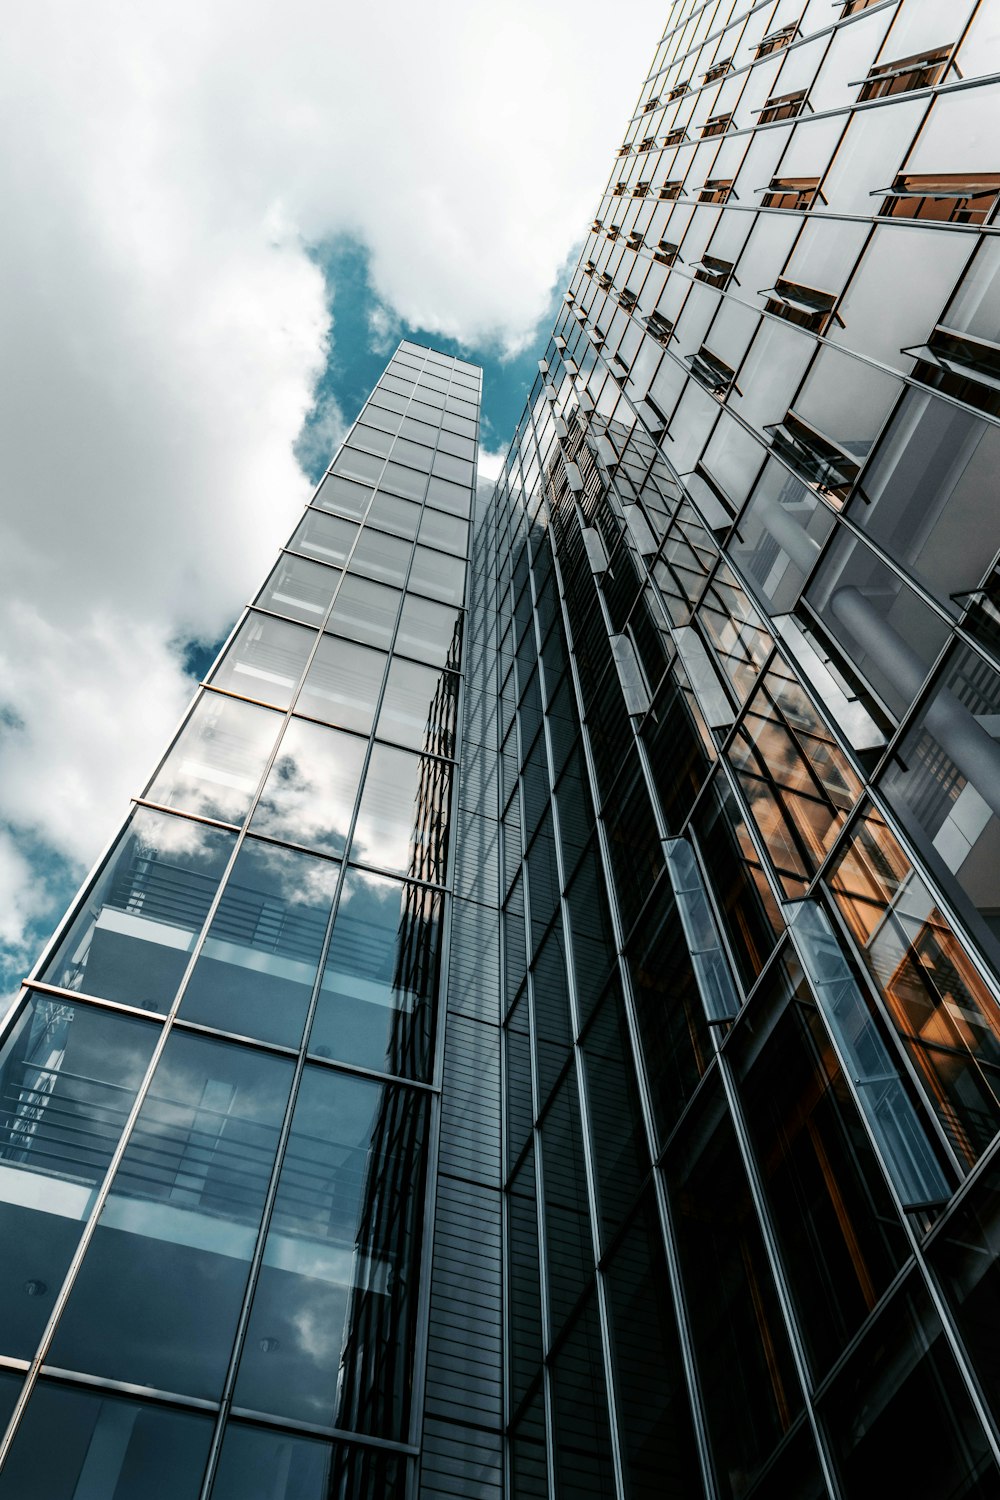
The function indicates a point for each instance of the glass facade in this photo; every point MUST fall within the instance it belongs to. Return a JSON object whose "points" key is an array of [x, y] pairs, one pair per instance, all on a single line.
{"points": [[538, 1033]]}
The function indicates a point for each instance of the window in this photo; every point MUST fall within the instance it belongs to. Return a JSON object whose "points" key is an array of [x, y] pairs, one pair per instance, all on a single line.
{"points": [[716, 272], [968, 369], [660, 327], [717, 125], [676, 136], [716, 190], [711, 372], [666, 252], [775, 40], [641, 189], [718, 70], [645, 145], [818, 460], [650, 105], [672, 189], [921, 71], [949, 198], [783, 107], [678, 90], [803, 305], [791, 192]]}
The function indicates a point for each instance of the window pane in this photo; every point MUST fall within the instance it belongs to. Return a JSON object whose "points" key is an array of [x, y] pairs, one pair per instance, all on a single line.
{"points": [[259, 1463], [331, 1328], [133, 936], [343, 684], [353, 464], [74, 1444], [309, 793], [419, 707], [384, 558], [299, 588], [172, 1249], [265, 660], [365, 611], [402, 822], [406, 482], [438, 529], [376, 1004], [390, 513], [342, 495], [216, 762], [438, 575], [324, 537], [430, 632], [256, 970], [68, 1078]]}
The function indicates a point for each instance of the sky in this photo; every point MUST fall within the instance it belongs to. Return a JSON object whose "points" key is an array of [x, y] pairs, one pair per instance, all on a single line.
{"points": [[219, 218]]}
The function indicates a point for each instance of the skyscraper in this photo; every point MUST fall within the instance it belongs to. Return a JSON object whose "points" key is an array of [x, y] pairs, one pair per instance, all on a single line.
{"points": [[537, 1033]]}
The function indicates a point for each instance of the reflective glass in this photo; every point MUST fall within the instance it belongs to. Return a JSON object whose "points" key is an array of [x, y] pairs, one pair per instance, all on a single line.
{"points": [[365, 611], [215, 764], [966, 1256], [384, 558], [371, 437], [582, 1437], [454, 498], [353, 464], [299, 588], [172, 1249], [780, 537], [942, 1009], [257, 966], [260, 1463], [430, 632], [68, 1078], [402, 481], [343, 684], [402, 822], [136, 930], [78, 1444], [379, 990], [327, 538], [265, 660], [438, 575], [342, 495], [308, 797], [419, 707], [390, 513], [331, 1326]]}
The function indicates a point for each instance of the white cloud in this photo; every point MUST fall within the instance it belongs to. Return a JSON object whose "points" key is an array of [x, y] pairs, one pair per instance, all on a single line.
{"points": [[163, 327]]}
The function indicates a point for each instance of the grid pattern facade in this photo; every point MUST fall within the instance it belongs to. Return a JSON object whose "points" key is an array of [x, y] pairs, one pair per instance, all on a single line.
{"points": [[220, 1094], [746, 621]]}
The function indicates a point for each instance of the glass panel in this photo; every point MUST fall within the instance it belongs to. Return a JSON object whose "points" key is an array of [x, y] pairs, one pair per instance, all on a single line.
{"points": [[372, 438], [330, 1337], [68, 1078], [136, 930], [265, 660], [377, 1001], [258, 964], [966, 1256], [902, 1382], [299, 588], [834, 1218], [215, 764], [621, 1156], [798, 783], [172, 1249], [659, 1451], [308, 797], [926, 490], [780, 537], [389, 513], [402, 822], [260, 1463], [524, 1308], [748, 907], [940, 1006], [885, 632], [327, 538], [419, 707], [456, 499], [437, 575], [365, 611], [749, 1388], [582, 1438], [357, 465], [569, 1244], [343, 496], [343, 684], [77, 1444], [384, 558], [431, 633], [406, 482]]}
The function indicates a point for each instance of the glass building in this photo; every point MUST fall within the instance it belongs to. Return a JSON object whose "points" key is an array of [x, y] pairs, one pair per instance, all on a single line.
{"points": [[536, 1036]]}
